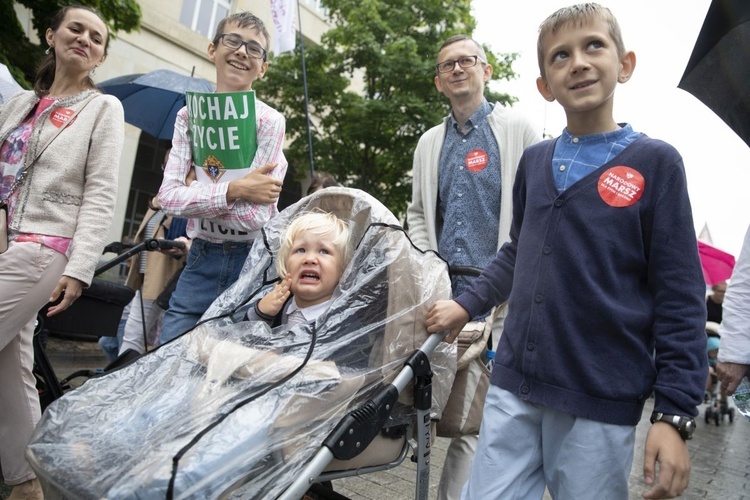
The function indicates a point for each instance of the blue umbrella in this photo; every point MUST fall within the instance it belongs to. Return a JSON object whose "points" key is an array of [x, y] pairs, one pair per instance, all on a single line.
{"points": [[152, 100]]}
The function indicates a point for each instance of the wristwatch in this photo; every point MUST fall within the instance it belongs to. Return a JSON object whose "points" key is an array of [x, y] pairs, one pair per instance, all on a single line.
{"points": [[684, 425]]}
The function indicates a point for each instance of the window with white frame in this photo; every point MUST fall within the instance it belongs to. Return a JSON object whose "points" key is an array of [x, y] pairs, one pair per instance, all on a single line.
{"points": [[202, 16], [317, 6]]}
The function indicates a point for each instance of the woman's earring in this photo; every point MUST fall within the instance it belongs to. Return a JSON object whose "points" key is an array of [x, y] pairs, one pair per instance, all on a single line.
{"points": [[47, 51], [93, 71]]}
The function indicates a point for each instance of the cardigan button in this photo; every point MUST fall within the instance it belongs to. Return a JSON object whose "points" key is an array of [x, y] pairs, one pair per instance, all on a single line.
{"points": [[525, 389], [538, 299], [547, 250], [558, 203]]}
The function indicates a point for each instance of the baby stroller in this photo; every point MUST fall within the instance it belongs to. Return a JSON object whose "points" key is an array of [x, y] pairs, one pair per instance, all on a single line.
{"points": [[233, 409], [717, 402]]}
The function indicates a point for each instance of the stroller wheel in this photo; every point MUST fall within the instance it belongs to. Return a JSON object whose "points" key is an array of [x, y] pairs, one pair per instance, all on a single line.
{"points": [[708, 415], [731, 415], [717, 418]]}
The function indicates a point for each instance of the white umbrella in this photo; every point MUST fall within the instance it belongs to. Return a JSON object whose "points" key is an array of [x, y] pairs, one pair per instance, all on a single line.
{"points": [[8, 86]]}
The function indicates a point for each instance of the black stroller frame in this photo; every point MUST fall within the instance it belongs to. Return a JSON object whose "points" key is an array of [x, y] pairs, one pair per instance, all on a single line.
{"points": [[53, 388], [718, 406]]}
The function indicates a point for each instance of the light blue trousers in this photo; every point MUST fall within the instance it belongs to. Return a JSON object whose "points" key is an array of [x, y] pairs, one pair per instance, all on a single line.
{"points": [[524, 447]]}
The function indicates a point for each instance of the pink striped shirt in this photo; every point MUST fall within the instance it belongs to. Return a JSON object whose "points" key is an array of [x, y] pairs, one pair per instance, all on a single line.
{"points": [[206, 204]]}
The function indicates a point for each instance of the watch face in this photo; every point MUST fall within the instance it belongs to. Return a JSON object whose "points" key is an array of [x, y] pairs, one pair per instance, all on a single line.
{"points": [[686, 427], [690, 427]]}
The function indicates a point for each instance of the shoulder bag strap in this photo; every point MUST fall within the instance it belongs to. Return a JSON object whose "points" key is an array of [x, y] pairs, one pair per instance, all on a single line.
{"points": [[20, 178]]}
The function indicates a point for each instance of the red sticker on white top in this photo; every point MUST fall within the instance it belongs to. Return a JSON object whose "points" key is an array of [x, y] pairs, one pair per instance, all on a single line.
{"points": [[621, 186], [60, 116], [476, 160]]}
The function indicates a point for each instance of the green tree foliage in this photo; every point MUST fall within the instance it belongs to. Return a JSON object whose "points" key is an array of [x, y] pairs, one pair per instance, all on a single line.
{"points": [[371, 90], [22, 56]]}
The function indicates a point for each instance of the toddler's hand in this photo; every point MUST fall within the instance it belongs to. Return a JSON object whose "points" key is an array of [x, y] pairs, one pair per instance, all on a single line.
{"points": [[274, 300]]}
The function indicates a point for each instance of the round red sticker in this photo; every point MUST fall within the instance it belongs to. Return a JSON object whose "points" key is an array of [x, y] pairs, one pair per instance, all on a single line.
{"points": [[621, 186], [60, 116], [476, 160]]}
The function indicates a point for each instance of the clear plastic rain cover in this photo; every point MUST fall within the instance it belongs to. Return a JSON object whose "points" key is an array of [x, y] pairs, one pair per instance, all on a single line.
{"points": [[235, 408]]}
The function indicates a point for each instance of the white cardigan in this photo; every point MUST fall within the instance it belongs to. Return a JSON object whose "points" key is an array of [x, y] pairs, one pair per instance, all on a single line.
{"points": [[70, 190], [513, 134]]}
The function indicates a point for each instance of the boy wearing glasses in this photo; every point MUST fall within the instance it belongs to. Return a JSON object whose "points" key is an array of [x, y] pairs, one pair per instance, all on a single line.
{"points": [[461, 197], [225, 217]]}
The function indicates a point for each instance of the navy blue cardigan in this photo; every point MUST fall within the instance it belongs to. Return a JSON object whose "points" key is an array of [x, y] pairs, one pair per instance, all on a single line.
{"points": [[605, 289]]}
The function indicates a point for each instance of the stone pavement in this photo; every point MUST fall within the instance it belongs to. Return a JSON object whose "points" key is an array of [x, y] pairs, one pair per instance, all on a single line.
{"points": [[720, 454], [720, 466]]}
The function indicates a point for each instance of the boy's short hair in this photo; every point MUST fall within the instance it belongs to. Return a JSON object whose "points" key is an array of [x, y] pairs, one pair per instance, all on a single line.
{"points": [[320, 223], [578, 15], [461, 38], [243, 19]]}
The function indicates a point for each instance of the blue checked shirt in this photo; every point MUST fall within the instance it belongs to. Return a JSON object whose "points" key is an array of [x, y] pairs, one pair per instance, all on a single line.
{"points": [[469, 194], [577, 156]]}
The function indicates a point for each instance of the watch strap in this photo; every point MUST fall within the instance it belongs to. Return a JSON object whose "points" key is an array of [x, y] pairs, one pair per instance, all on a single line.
{"points": [[684, 425]]}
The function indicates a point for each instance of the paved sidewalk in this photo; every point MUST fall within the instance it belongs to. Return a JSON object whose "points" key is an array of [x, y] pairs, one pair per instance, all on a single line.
{"points": [[720, 466]]}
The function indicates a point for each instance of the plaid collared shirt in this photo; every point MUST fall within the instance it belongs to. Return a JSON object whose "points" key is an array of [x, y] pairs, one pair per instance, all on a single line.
{"points": [[206, 204], [577, 156]]}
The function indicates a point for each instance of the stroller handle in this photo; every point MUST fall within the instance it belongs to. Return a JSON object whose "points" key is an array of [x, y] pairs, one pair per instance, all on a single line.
{"points": [[148, 245], [153, 244], [464, 271]]}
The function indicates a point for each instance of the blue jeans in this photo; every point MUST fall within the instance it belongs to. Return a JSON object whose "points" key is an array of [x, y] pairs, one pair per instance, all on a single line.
{"points": [[211, 268], [111, 345]]}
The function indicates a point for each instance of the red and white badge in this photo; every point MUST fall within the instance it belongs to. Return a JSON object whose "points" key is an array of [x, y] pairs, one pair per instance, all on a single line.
{"points": [[476, 160], [621, 186], [60, 116]]}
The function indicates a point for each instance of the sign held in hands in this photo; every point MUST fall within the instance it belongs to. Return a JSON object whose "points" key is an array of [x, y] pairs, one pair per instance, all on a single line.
{"points": [[223, 134]]}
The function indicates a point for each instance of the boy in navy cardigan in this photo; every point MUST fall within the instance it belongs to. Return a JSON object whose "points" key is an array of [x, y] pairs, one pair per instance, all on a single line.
{"points": [[605, 290]]}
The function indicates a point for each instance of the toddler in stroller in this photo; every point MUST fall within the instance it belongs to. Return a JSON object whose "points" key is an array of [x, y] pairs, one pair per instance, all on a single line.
{"points": [[222, 414]]}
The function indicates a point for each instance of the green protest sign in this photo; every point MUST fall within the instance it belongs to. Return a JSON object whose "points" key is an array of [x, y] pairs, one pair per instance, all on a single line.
{"points": [[223, 134]]}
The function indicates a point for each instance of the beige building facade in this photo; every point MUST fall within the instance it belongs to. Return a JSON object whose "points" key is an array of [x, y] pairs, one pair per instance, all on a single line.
{"points": [[174, 35]]}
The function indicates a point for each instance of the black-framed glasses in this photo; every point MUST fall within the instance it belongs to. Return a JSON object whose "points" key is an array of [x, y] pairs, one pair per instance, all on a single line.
{"points": [[234, 42], [464, 62]]}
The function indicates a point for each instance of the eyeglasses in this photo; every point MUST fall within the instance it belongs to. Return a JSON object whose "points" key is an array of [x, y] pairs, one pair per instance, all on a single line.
{"points": [[464, 62], [234, 42]]}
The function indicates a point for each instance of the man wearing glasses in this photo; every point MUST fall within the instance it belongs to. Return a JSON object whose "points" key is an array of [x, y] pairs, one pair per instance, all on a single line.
{"points": [[461, 203], [224, 216]]}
